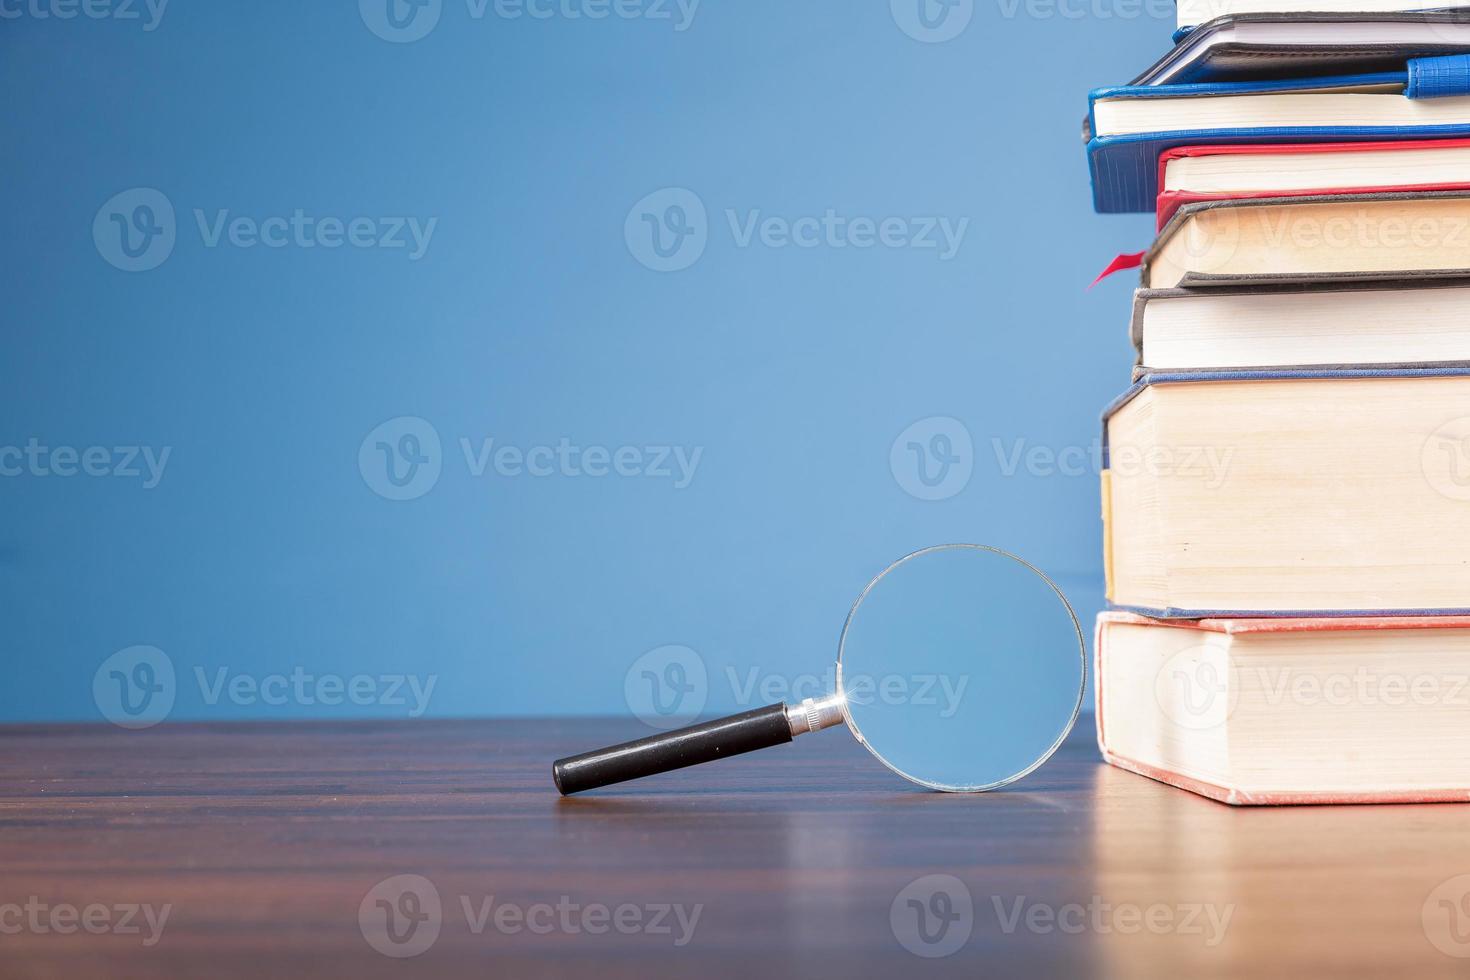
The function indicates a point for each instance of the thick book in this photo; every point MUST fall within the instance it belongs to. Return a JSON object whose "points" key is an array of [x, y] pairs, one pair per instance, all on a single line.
{"points": [[1192, 174], [1245, 46], [1286, 240], [1129, 127], [1289, 711], [1321, 325], [1291, 493]]}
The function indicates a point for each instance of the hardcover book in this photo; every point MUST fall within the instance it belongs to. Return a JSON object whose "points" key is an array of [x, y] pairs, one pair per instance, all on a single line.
{"points": [[1273, 44], [1289, 711], [1294, 493], [1328, 324], [1310, 239], [1190, 174], [1129, 127], [1192, 13]]}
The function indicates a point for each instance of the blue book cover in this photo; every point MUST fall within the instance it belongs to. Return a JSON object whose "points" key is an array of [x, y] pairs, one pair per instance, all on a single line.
{"points": [[1125, 167]]}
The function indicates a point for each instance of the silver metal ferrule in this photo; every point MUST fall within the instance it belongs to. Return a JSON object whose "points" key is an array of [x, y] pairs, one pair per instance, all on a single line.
{"points": [[814, 715]]}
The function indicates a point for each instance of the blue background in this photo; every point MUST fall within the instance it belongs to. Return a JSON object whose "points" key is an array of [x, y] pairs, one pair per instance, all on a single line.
{"points": [[530, 320]]}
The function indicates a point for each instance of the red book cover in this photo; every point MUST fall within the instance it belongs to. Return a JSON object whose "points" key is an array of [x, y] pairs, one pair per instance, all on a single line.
{"points": [[1171, 201]]}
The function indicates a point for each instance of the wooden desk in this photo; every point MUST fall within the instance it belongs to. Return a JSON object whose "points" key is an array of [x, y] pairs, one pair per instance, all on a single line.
{"points": [[266, 841]]}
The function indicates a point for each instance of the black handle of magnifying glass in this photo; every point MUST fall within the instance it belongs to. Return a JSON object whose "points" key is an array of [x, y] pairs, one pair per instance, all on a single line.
{"points": [[745, 732]]}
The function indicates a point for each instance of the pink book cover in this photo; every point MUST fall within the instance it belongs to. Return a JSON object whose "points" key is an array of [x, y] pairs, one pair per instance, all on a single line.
{"points": [[1235, 797]]}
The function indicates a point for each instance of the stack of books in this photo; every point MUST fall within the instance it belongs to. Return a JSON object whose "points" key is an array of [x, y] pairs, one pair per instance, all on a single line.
{"points": [[1286, 494]]}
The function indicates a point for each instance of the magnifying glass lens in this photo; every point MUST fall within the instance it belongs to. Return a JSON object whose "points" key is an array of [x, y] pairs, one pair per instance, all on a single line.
{"points": [[962, 668]]}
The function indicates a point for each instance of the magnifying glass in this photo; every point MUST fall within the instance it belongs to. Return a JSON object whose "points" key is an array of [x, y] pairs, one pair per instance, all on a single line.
{"points": [[960, 667]]}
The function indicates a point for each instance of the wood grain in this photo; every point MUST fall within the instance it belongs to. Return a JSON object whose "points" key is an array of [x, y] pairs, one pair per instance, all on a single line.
{"points": [[265, 840]]}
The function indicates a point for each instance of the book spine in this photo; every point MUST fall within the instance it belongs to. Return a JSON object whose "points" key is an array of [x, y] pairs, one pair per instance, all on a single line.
{"points": [[1135, 324], [1107, 533]]}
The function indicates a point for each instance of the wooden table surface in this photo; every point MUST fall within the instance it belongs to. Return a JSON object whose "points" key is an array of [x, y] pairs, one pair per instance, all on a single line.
{"points": [[277, 850]]}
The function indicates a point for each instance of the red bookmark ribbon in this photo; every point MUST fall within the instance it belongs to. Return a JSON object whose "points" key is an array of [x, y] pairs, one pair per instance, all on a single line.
{"points": [[1126, 261]]}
